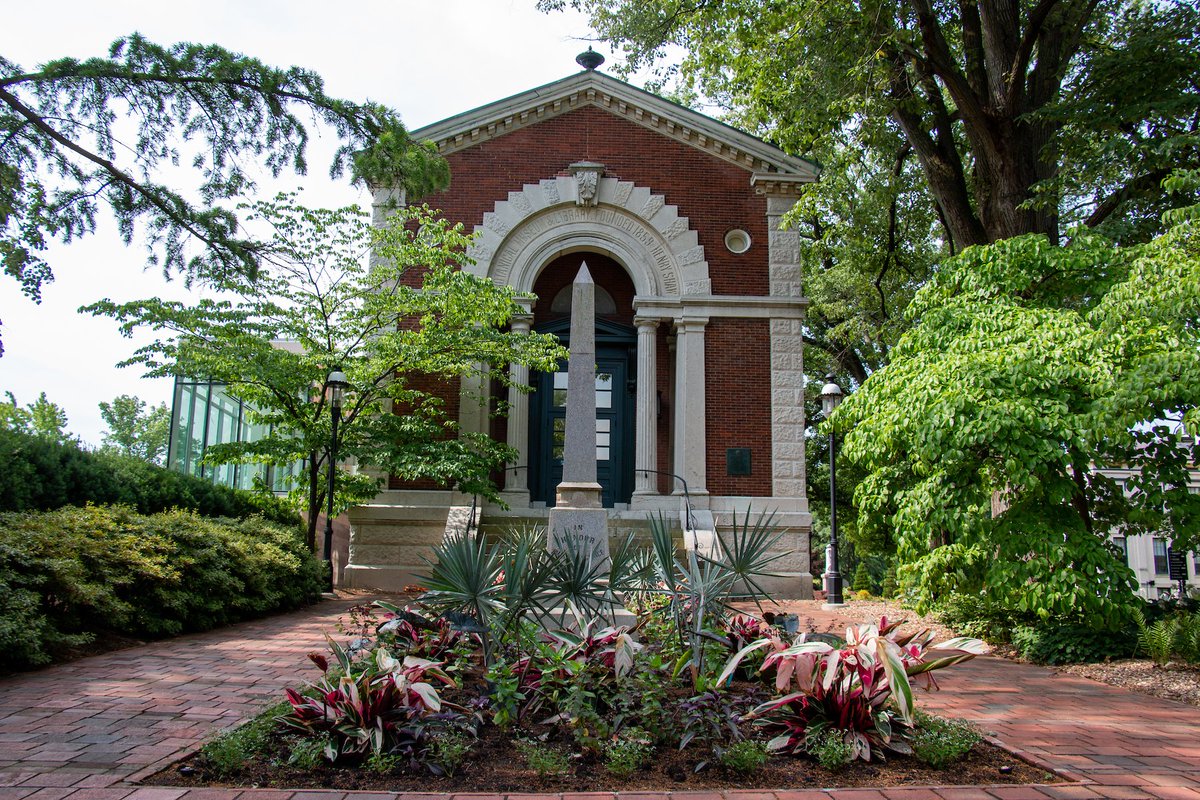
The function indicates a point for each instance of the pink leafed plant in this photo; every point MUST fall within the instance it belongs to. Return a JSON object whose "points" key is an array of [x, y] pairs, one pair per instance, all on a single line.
{"points": [[862, 690]]}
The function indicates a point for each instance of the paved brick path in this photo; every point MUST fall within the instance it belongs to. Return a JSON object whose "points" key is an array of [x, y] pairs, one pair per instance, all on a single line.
{"points": [[90, 729]]}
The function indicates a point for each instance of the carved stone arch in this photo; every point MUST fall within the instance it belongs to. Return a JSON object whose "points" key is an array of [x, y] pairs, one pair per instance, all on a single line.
{"points": [[628, 223]]}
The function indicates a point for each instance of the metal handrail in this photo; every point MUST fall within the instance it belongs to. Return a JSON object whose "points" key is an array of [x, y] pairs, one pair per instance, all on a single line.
{"points": [[687, 498]]}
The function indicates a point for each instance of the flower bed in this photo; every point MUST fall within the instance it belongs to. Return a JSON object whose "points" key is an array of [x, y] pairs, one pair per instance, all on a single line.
{"points": [[510, 674]]}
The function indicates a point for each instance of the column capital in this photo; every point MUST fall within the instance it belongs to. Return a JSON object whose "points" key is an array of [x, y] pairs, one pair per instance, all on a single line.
{"points": [[646, 322], [691, 324], [521, 323]]}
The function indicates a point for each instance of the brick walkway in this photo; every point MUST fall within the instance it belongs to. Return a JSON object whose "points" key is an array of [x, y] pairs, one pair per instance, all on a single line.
{"points": [[90, 729]]}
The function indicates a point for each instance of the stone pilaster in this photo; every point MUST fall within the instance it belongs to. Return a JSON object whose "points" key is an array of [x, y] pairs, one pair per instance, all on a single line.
{"points": [[787, 409], [517, 480], [690, 432], [646, 428]]}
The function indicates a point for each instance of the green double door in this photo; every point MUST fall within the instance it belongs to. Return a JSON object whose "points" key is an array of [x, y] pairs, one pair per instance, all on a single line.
{"points": [[614, 425]]}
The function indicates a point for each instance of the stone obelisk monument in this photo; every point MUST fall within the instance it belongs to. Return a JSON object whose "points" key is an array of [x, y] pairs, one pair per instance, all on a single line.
{"points": [[578, 512]]}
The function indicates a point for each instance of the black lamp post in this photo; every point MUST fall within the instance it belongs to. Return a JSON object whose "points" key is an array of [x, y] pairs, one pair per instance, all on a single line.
{"points": [[831, 396], [337, 384]]}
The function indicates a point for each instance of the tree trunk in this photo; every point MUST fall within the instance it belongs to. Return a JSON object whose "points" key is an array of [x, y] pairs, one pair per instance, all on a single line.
{"points": [[314, 499], [1005, 182], [1013, 67]]}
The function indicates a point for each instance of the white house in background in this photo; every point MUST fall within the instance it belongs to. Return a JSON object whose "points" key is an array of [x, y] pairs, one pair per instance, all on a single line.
{"points": [[1146, 554]]}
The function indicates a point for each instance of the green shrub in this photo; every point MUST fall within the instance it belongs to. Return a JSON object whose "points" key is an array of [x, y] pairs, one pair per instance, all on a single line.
{"points": [[543, 759], [229, 750], [307, 753], [449, 749], [743, 757], [1187, 637], [382, 763], [829, 747], [978, 616], [1156, 641], [66, 575], [1173, 636], [940, 742], [41, 475], [890, 585], [627, 753], [862, 578], [1067, 643]]}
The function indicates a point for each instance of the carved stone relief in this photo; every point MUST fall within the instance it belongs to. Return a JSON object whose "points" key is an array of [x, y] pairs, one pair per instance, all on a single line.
{"points": [[629, 223], [587, 176]]}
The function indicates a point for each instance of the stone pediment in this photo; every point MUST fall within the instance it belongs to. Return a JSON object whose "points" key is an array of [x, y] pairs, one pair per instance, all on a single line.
{"points": [[771, 169]]}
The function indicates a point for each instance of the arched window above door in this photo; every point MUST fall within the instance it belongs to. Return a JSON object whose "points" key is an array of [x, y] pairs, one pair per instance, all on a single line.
{"points": [[606, 306]]}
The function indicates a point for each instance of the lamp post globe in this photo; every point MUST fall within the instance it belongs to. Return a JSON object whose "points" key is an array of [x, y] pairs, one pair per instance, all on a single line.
{"points": [[336, 384], [831, 396]]}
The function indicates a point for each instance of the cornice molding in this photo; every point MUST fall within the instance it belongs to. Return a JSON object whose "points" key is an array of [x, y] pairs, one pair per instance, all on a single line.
{"points": [[719, 305], [623, 100]]}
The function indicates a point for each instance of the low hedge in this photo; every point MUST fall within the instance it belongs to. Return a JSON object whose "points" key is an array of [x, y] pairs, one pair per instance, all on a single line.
{"points": [[71, 575], [1065, 643], [40, 475]]}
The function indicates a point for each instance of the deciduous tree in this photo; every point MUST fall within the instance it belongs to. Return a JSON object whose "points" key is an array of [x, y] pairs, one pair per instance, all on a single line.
{"points": [[939, 126], [39, 418], [1024, 115], [134, 431], [1028, 365], [395, 326]]}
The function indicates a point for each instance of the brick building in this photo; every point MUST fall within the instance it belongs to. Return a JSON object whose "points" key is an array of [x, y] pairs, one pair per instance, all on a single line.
{"points": [[700, 382]]}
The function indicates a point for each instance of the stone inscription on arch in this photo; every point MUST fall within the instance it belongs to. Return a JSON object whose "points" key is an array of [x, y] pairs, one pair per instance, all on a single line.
{"points": [[639, 224], [668, 272]]}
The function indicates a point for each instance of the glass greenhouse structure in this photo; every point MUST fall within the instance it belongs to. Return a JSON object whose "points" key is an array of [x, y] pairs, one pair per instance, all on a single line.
{"points": [[205, 414]]}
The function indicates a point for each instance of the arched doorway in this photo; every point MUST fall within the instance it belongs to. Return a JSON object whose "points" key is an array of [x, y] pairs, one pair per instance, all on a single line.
{"points": [[616, 354]]}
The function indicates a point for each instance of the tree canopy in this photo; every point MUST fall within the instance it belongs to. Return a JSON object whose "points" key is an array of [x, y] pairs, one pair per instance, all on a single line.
{"points": [[1027, 366], [79, 135], [940, 126], [134, 431], [387, 305], [1025, 115], [40, 418]]}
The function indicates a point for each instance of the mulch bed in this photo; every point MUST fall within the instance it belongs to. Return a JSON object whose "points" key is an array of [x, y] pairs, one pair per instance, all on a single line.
{"points": [[1174, 681], [495, 765]]}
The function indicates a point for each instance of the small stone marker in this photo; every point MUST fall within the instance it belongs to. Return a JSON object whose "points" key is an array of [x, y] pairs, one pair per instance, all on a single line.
{"points": [[578, 512]]}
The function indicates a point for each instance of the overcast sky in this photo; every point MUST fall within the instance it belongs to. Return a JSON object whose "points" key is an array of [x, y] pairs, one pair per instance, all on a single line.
{"points": [[428, 60]]}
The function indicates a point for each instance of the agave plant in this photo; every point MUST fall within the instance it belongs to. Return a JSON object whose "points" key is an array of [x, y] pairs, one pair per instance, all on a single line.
{"points": [[466, 575], [747, 551], [519, 577], [863, 689], [703, 588]]}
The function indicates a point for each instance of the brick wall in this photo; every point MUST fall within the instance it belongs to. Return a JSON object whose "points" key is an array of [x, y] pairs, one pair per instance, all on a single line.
{"points": [[737, 360], [715, 195], [606, 273], [448, 390]]}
